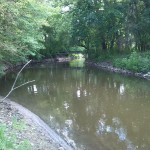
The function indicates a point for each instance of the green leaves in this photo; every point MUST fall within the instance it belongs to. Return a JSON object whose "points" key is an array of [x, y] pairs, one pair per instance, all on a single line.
{"points": [[135, 62], [111, 26], [57, 32], [20, 33], [32, 28]]}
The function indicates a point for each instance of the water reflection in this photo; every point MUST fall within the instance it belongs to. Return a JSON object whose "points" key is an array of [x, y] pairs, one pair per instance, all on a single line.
{"points": [[92, 110], [77, 63], [115, 128], [78, 93], [66, 105], [122, 89]]}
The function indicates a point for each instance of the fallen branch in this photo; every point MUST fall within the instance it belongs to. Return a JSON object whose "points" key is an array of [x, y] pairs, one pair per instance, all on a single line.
{"points": [[13, 86]]}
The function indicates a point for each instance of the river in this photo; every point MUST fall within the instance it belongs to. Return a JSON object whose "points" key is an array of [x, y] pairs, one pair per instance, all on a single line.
{"points": [[90, 108]]}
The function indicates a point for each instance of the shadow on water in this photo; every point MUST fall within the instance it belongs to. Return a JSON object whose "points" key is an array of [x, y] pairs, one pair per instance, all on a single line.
{"points": [[91, 109]]}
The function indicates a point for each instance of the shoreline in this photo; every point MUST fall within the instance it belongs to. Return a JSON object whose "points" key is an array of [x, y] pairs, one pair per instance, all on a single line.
{"points": [[10, 67], [109, 67], [49, 140], [100, 65], [13, 67]]}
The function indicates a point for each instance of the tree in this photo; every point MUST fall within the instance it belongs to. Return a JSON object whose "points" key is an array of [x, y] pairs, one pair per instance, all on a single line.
{"points": [[111, 26], [58, 32], [21, 23]]}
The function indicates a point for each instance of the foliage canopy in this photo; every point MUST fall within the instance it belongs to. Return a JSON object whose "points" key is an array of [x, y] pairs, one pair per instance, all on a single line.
{"points": [[36, 28]]}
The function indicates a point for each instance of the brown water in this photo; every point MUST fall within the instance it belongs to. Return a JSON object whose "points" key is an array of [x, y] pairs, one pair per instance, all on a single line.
{"points": [[90, 108]]}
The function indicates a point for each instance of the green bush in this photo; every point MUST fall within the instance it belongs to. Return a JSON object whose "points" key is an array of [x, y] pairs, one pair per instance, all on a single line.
{"points": [[146, 54], [135, 62]]}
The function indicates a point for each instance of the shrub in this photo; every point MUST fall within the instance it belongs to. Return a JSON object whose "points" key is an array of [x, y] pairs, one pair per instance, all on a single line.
{"points": [[135, 62]]}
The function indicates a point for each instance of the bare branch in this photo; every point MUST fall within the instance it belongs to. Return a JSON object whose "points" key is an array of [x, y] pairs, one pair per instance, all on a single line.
{"points": [[13, 86], [24, 84], [19, 74]]}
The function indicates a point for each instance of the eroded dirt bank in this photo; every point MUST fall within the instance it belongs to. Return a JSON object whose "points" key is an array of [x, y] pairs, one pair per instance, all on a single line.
{"points": [[40, 135]]}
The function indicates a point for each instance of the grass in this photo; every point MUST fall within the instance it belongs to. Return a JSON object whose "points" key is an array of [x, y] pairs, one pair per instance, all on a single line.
{"points": [[9, 140]]}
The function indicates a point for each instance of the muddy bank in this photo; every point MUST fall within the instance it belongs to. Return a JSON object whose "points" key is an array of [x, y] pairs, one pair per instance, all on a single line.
{"points": [[12, 67], [108, 66], [8, 67], [40, 135]]}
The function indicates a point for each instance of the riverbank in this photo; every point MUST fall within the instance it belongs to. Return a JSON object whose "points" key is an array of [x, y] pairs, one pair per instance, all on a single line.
{"points": [[109, 67], [106, 65], [12, 67], [33, 129]]}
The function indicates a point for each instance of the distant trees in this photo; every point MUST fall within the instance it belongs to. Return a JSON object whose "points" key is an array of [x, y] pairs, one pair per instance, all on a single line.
{"points": [[35, 28], [112, 25]]}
